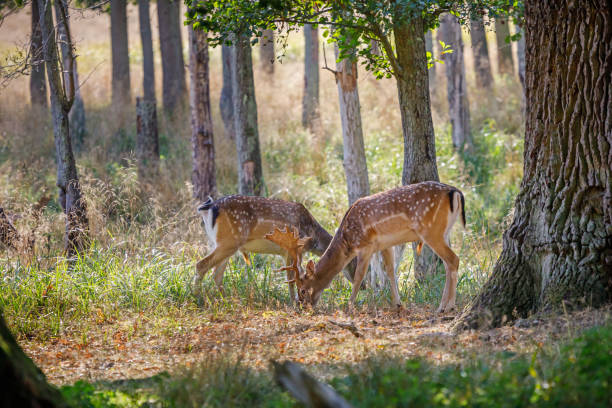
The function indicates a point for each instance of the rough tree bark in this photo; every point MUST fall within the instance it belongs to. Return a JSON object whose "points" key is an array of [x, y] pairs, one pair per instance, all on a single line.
{"points": [[266, 51], [77, 112], [171, 46], [25, 385], [480, 51], [226, 106], [147, 139], [62, 96], [456, 86], [203, 174], [505, 62], [38, 88], [310, 102], [121, 91], [250, 175], [417, 123], [429, 47], [559, 246]]}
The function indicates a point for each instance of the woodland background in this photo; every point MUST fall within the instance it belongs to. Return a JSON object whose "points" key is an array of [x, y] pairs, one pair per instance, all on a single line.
{"points": [[116, 325]]}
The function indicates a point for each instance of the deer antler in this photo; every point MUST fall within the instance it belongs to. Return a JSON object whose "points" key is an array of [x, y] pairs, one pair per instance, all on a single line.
{"points": [[290, 241]]}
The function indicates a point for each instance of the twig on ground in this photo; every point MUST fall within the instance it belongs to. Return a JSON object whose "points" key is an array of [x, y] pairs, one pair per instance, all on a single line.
{"points": [[348, 326]]}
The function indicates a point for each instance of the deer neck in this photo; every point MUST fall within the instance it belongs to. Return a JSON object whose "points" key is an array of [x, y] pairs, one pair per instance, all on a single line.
{"points": [[335, 258]]}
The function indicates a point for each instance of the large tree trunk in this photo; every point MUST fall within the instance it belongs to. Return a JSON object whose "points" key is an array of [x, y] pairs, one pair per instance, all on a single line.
{"points": [[121, 91], [417, 124], [226, 106], [429, 47], [456, 86], [77, 112], [559, 246], [24, 384], [480, 51], [70, 196], [38, 88], [250, 175], [203, 174], [147, 138], [505, 64], [266, 51], [171, 45], [310, 102]]}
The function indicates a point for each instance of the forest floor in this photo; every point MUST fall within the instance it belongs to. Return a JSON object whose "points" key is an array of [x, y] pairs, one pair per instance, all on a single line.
{"points": [[136, 346]]}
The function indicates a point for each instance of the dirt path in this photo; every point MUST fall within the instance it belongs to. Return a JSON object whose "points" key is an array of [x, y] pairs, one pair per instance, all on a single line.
{"points": [[136, 347]]}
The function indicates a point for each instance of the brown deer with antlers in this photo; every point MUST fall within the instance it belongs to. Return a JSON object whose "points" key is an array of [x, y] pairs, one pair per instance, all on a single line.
{"points": [[423, 212], [240, 223]]}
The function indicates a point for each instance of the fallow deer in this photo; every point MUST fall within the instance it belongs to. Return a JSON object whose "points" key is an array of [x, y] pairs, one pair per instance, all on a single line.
{"points": [[423, 212], [240, 223]]}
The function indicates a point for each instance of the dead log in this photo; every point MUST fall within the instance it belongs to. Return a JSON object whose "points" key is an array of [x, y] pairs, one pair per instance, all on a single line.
{"points": [[303, 387]]}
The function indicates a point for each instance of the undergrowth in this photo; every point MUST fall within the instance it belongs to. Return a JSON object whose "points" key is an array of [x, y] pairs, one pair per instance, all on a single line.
{"points": [[575, 374]]}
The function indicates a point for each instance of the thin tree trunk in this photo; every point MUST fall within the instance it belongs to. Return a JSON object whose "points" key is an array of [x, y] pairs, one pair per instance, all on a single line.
{"points": [[310, 103], [429, 47], [24, 384], [146, 38], [77, 112], [520, 51], [417, 123], [456, 86], [504, 49], [559, 246], [171, 45], [480, 51], [355, 166], [38, 88], [250, 175], [70, 196], [375, 47], [266, 51], [121, 91], [147, 138], [203, 174], [226, 106]]}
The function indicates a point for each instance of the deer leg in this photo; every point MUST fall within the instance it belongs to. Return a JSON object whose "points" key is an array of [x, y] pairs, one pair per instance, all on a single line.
{"points": [[219, 271], [363, 261], [387, 255], [219, 255], [290, 276], [451, 264]]}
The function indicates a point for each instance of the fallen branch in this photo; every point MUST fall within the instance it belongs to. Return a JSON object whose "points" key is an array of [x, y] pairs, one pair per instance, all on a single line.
{"points": [[305, 388], [348, 326]]}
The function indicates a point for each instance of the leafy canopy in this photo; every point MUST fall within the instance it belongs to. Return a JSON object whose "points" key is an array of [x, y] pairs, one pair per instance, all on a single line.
{"points": [[354, 25]]}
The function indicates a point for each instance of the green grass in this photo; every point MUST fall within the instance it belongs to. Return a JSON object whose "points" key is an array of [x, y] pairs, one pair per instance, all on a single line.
{"points": [[576, 374]]}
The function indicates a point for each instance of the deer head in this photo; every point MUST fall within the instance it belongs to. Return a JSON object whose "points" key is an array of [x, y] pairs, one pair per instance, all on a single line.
{"points": [[291, 242]]}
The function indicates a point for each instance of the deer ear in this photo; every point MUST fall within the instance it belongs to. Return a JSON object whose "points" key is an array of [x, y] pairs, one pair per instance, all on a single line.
{"points": [[310, 268]]}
